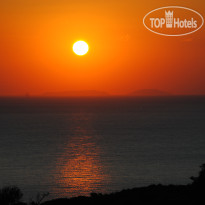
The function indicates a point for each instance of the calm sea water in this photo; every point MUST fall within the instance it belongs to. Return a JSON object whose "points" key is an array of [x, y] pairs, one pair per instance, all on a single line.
{"points": [[72, 147]]}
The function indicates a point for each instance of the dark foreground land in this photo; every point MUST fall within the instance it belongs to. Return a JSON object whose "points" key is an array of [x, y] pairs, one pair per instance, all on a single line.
{"points": [[191, 194], [155, 194]]}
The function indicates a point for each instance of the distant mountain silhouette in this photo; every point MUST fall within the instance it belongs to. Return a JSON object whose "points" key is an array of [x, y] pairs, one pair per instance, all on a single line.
{"points": [[80, 93], [149, 92]]}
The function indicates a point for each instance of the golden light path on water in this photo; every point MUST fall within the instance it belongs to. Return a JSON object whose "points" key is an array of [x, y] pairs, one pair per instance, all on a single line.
{"points": [[80, 169]]}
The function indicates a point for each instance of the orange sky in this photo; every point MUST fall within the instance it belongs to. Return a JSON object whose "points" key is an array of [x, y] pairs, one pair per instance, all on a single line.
{"points": [[36, 48]]}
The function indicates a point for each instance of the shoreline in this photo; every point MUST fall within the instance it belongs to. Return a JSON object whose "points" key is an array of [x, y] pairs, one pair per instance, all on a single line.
{"points": [[190, 194], [152, 194]]}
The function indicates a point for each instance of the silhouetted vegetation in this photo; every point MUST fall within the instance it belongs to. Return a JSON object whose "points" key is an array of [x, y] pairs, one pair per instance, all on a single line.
{"points": [[10, 195], [39, 198], [190, 194], [200, 180]]}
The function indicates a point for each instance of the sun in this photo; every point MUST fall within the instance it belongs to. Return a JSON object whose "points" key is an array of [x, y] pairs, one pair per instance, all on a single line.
{"points": [[80, 48]]}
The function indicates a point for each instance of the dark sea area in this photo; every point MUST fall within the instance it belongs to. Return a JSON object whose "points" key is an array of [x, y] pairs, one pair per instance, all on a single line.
{"points": [[76, 146]]}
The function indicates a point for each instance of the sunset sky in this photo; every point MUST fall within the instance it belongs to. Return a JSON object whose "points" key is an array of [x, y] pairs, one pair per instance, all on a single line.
{"points": [[37, 36]]}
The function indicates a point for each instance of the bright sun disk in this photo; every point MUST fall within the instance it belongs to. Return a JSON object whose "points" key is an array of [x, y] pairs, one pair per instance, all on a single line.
{"points": [[80, 48]]}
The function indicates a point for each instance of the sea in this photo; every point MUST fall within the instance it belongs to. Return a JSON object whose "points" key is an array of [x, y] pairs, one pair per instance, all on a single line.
{"points": [[76, 146]]}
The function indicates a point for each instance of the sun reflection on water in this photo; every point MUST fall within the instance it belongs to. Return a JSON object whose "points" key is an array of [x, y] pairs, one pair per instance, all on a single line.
{"points": [[80, 169]]}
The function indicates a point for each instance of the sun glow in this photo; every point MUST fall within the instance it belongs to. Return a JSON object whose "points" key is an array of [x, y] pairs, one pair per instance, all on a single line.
{"points": [[80, 48]]}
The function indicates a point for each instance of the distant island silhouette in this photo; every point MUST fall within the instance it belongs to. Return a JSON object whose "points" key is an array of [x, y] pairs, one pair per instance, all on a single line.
{"points": [[150, 92], [79, 93], [96, 93]]}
